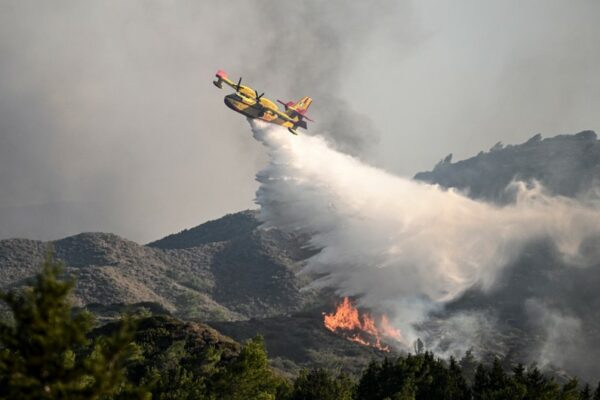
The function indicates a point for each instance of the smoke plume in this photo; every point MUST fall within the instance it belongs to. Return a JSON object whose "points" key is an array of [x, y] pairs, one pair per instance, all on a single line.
{"points": [[402, 246], [109, 120]]}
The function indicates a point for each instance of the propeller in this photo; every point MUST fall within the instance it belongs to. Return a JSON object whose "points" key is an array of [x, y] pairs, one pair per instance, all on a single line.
{"points": [[257, 96], [239, 84]]}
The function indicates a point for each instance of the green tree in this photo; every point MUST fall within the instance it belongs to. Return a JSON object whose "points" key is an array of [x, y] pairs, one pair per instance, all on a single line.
{"points": [[169, 379], [468, 364], [539, 387], [597, 392], [420, 377], [319, 384], [45, 353], [481, 383], [419, 346], [389, 379], [249, 376], [570, 390], [497, 377], [519, 373], [586, 393], [458, 387]]}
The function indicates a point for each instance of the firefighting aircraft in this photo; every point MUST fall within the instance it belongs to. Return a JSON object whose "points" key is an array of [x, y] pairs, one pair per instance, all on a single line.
{"points": [[248, 102]]}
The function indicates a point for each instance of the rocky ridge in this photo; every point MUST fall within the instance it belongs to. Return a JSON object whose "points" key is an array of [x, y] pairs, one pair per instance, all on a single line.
{"points": [[227, 269]]}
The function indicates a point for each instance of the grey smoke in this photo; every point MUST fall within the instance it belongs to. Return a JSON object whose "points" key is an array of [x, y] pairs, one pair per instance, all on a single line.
{"points": [[562, 340], [313, 47], [108, 120]]}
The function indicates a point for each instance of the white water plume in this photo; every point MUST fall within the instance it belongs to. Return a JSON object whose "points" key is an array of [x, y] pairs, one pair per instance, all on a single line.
{"points": [[396, 242]]}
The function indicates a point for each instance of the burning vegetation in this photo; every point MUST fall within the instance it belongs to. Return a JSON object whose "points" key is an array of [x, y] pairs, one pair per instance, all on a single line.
{"points": [[361, 328]]}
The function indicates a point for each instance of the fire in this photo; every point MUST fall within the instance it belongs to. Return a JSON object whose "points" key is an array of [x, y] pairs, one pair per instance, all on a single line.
{"points": [[362, 329]]}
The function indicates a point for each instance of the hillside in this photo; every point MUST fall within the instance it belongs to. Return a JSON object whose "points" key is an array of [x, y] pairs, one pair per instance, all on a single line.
{"points": [[226, 269], [241, 277], [567, 165], [543, 309], [300, 341]]}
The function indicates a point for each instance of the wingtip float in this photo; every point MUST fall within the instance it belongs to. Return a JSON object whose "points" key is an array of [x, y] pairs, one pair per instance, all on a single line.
{"points": [[248, 102]]}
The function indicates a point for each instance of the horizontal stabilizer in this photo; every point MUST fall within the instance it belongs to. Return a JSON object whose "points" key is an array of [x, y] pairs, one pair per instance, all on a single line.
{"points": [[287, 105], [298, 109]]}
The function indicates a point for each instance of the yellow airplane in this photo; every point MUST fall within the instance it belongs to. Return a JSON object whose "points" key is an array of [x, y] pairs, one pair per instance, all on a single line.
{"points": [[248, 102]]}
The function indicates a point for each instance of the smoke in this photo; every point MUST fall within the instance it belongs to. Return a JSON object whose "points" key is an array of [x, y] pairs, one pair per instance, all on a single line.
{"points": [[562, 337], [315, 46], [407, 247], [109, 120]]}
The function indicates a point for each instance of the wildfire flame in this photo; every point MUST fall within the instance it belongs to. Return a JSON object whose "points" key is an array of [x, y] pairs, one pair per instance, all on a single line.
{"points": [[349, 322]]}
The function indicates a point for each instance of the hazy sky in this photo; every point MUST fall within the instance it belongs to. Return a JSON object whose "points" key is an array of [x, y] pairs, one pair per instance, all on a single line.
{"points": [[109, 122]]}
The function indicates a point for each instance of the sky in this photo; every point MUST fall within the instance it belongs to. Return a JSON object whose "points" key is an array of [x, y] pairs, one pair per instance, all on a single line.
{"points": [[109, 121]]}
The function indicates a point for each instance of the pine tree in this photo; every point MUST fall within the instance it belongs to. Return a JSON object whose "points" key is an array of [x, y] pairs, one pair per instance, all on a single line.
{"points": [[570, 390], [369, 386], [458, 387], [586, 393], [539, 387], [468, 364], [481, 383], [519, 373], [497, 377], [46, 353], [419, 346], [597, 393], [319, 384], [249, 376]]}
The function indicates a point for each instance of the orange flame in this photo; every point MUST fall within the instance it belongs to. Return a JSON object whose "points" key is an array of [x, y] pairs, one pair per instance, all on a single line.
{"points": [[362, 329]]}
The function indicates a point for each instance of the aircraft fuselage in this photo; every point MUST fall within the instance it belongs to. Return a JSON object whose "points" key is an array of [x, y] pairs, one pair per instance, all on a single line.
{"points": [[251, 109]]}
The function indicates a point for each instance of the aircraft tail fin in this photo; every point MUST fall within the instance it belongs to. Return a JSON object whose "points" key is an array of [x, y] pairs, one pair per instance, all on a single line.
{"points": [[221, 76], [303, 104]]}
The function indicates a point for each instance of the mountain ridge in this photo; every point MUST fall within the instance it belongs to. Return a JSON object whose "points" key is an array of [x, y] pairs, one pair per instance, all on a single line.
{"points": [[567, 165], [243, 278], [192, 280]]}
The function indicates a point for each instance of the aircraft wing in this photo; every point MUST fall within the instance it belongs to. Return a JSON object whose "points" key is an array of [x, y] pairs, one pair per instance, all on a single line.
{"points": [[302, 116], [281, 115]]}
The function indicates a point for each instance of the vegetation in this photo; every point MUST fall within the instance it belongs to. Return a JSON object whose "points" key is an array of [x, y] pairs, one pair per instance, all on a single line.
{"points": [[48, 351], [45, 353], [425, 377], [320, 384]]}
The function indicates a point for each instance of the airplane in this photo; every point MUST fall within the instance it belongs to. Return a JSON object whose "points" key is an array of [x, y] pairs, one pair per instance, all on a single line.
{"points": [[248, 102]]}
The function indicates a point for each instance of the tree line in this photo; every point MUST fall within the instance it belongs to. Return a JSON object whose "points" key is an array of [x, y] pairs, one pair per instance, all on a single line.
{"points": [[48, 351]]}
